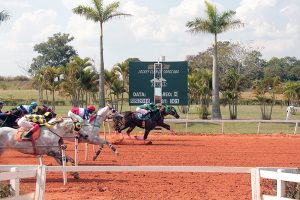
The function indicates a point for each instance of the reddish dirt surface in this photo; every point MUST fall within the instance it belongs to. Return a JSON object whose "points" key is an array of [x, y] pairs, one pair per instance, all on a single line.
{"points": [[182, 150]]}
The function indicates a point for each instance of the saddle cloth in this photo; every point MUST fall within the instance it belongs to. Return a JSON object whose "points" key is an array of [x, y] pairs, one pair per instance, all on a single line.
{"points": [[35, 135]]}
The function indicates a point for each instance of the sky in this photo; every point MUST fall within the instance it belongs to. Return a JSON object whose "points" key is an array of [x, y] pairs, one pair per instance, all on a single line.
{"points": [[156, 28]]}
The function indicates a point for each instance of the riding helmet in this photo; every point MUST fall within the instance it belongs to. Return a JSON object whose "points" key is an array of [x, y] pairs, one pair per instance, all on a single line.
{"points": [[34, 104], [91, 108], [48, 115]]}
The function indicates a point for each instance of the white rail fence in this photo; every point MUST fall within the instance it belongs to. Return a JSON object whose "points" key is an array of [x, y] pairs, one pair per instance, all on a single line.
{"points": [[281, 175], [14, 174], [222, 122]]}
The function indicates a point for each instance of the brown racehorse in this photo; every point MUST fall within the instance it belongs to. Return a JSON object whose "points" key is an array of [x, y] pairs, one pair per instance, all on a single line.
{"points": [[130, 120]]}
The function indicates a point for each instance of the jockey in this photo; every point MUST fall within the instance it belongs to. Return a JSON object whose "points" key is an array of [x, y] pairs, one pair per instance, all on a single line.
{"points": [[3, 114], [146, 108], [28, 109], [81, 113], [31, 123]]}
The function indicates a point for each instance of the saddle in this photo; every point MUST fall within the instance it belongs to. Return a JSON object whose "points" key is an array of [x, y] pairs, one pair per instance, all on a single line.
{"points": [[35, 135]]}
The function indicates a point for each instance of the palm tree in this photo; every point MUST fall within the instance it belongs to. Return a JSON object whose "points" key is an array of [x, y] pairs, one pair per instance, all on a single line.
{"points": [[215, 23], [4, 16], [101, 14], [123, 69]]}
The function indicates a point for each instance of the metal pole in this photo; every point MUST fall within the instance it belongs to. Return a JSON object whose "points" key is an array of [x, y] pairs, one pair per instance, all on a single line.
{"points": [[76, 151], [63, 155]]}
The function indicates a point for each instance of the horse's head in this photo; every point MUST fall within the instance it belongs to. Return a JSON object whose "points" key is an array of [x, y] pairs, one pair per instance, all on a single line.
{"points": [[108, 112], [170, 110]]}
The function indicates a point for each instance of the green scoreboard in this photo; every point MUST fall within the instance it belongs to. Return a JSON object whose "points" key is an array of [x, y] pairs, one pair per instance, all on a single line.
{"points": [[171, 77]]}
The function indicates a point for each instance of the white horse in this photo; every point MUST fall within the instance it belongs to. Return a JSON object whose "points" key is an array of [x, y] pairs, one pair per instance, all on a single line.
{"points": [[291, 110], [92, 129], [48, 143]]}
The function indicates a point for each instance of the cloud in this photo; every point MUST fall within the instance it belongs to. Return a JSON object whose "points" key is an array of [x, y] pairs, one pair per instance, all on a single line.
{"points": [[272, 24]]}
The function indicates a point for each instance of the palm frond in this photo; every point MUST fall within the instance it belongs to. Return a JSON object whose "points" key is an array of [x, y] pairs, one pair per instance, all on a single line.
{"points": [[88, 12], [4, 16]]}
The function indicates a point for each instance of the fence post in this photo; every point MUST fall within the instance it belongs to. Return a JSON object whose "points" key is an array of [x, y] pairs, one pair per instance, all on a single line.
{"points": [[76, 151], [258, 127], [15, 183], [63, 155], [86, 151], [222, 127], [296, 126], [280, 186], [255, 184], [40, 182]]}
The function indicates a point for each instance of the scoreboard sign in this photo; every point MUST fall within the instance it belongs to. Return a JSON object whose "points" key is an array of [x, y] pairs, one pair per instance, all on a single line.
{"points": [[172, 80]]}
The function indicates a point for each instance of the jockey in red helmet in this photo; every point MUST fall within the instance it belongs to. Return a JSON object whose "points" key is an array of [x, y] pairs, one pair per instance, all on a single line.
{"points": [[81, 113]]}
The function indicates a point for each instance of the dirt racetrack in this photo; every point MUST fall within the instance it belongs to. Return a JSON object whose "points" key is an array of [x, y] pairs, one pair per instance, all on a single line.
{"points": [[275, 150]]}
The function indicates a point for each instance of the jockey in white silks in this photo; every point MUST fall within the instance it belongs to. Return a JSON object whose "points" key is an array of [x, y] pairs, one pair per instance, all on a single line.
{"points": [[81, 113]]}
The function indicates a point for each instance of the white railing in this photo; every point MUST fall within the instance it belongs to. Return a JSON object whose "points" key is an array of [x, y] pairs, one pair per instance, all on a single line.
{"points": [[259, 122], [280, 175], [14, 174]]}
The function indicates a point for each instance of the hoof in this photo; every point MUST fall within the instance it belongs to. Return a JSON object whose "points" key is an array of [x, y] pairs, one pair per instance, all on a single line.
{"points": [[139, 138], [75, 175], [148, 143], [94, 158]]}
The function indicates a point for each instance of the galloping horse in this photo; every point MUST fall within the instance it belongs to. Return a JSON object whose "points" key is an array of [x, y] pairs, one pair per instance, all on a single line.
{"points": [[45, 109], [92, 129], [131, 120], [48, 142], [10, 120]]}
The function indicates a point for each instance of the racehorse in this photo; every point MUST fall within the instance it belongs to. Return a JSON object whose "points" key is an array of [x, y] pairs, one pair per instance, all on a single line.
{"points": [[48, 142], [130, 119], [10, 120], [45, 109], [92, 129]]}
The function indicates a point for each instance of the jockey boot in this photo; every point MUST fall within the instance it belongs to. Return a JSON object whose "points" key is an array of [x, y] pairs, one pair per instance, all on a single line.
{"points": [[30, 132], [27, 135]]}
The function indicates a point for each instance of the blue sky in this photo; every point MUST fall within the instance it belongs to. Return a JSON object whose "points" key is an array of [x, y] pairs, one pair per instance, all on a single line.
{"points": [[156, 28]]}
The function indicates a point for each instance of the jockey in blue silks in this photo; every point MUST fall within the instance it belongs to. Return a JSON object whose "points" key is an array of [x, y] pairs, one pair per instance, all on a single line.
{"points": [[28, 109]]}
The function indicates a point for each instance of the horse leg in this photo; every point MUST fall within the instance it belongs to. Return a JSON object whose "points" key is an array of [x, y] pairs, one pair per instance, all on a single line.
{"points": [[129, 131], [69, 161], [144, 138], [102, 142], [168, 127], [98, 152]]}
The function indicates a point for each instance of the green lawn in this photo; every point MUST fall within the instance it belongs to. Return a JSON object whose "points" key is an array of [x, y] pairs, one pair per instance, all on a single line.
{"points": [[244, 112]]}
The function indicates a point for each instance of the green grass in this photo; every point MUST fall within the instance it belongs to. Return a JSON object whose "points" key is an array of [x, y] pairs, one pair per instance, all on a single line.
{"points": [[244, 112]]}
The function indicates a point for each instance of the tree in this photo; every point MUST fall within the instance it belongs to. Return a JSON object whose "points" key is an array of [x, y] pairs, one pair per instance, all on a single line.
{"points": [[265, 91], [101, 14], [291, 91], [123, 69], [79, 80], [232, 85], [215, 23], [4, 16], [55, 52], [199, 82]]}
